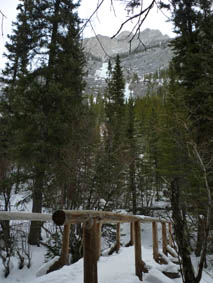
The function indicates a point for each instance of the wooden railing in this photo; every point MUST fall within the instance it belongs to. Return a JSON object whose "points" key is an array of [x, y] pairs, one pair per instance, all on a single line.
{"points": [[43, 217], [92, 222]]}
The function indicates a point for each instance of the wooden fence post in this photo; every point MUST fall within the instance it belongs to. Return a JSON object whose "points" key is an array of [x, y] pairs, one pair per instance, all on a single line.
{"points": [[65, 245], [164, 238], [132, 237], [155, 240], [170, 235], [116, 247], [98, 240], [139, 264], [90, 251], [118, 237], [132, 233], [64, 258]]}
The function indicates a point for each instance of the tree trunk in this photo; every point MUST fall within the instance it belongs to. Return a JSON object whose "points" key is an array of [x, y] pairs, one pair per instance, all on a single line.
{"points": [[133, 188], [181, 237], [5, 225], [35, 227], [200, 235]]}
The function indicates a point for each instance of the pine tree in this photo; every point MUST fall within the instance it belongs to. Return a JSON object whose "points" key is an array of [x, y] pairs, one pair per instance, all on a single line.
{"points": [[191, 97], [193, 60], [110, 165], [115, 108], [45, 100], [132, 148]]}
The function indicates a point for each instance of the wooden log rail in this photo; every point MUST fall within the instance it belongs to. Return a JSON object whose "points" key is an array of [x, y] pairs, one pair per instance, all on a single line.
{"points": [[63, 217], [92, 221], [43, 217]]}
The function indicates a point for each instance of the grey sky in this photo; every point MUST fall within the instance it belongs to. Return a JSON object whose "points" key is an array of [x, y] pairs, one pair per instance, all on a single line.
{"points": [[105, 22]]}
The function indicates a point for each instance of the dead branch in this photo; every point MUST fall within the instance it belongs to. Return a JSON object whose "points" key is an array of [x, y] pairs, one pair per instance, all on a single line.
{"points": [[89, 19], [2, 22], [144, 12], [101, 45]]}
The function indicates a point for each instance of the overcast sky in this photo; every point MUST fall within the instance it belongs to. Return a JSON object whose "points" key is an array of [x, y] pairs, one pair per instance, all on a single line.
{"points": [[105, 22]]}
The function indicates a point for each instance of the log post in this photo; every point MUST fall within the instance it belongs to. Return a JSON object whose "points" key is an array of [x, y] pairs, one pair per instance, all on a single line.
{"points": [[164, 238], [64, 257], [132, 233], [155, 240], [170, 235], [138, 261], [118, 237], [132, 237], [98, 240], [90, 251]]}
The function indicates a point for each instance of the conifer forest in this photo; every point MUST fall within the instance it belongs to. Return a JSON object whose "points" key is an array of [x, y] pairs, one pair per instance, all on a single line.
{"points": [[62, 148]]}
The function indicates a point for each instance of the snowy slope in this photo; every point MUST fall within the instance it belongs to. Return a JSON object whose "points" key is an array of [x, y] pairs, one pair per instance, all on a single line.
{"points": [[101, 75]]}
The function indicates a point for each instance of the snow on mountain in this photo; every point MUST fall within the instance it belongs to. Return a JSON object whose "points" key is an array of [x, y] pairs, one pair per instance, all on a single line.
{"points": [[127, 92], [151, 56], [102, 72]]}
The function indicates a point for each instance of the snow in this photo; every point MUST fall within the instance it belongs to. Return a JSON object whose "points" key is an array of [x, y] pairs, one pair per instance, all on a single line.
{"points": [[155, 276], [25, 275], [102, 73], [111, 269], [127, 91], [44, 268], [171, 250]]}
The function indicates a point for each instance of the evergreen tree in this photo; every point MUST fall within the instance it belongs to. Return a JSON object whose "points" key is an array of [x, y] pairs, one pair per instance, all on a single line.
{"points": [[132, 146], [44, 103], [191, 99], [115, 109], [114, 134], [193, 61]]}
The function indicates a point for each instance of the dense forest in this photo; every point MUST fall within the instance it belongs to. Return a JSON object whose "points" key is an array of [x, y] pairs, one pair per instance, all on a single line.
{"points": [[62, 148]]}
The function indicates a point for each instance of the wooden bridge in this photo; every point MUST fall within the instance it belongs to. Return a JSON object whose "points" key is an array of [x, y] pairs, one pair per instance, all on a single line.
{"points": [[92, 222]]}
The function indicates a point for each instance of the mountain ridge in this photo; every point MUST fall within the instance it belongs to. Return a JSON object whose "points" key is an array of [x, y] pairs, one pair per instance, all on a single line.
{"points": [[102, 46], [151, 56]]}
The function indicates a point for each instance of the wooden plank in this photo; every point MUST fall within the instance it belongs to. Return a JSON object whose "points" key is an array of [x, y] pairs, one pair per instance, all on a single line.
{"points": [[62, 217], [164, 238], [90, 252], [5, 215], [155, 240]]}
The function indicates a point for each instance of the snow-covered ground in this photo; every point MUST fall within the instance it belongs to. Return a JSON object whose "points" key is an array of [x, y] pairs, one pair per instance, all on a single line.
{"points": [[118, 268]]}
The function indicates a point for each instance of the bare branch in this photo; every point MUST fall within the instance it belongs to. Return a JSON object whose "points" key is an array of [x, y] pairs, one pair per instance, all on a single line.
{"points": [[89, 19], [2, 22], [142, 12], [102, 47], [113, 8], [140, 24]]}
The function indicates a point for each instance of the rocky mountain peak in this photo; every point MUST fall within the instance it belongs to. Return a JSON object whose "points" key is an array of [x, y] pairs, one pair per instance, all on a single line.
{"points": [[102, 46], [151, 56]]}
